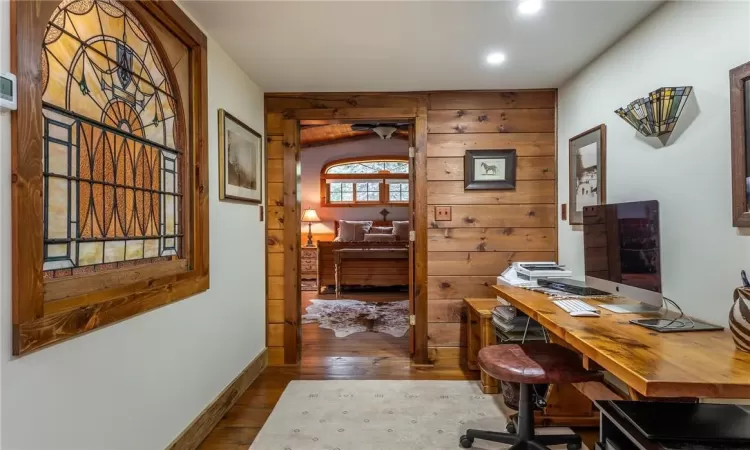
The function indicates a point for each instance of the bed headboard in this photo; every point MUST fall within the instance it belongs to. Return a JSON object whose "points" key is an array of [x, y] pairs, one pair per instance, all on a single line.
{"points": [[375, 223]]}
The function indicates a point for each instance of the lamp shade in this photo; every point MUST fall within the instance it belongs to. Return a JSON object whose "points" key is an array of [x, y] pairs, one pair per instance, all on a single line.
{"points": [[656, 114], [310, 215]]}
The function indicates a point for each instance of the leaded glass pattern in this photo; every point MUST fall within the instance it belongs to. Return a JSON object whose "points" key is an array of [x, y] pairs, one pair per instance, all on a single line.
{"points": [[112, 142], [658, 113]]}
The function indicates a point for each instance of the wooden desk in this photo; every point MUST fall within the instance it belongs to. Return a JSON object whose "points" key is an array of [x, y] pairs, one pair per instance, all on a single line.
{"points": [[658, 365], [340, 255]]}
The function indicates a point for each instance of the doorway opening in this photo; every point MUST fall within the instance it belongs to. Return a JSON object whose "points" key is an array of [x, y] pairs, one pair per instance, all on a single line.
{"points": [[356, 199]]}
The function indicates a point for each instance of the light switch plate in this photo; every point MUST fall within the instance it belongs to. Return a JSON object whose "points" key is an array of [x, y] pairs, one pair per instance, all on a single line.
{"points": [[443, 213], [564, 211]]}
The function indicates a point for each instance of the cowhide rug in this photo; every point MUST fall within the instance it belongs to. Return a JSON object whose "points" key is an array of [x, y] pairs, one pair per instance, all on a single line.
{"points": [[347, 317]]}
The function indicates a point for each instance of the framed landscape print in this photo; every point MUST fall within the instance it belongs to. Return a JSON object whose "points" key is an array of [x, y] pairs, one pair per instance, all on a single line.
{"points": [[490, 169], [240, 160], [587, 153], [739, 98]]}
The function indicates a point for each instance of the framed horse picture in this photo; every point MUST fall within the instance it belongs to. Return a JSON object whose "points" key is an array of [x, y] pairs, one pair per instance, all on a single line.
{"points": [[490, 169]]}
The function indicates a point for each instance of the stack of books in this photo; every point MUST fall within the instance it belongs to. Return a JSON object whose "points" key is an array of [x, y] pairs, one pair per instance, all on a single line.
{"points": [[511, 324]]}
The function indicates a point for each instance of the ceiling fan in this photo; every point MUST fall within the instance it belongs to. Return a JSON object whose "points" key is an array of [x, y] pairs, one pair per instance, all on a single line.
{"points": [[384, 130]]}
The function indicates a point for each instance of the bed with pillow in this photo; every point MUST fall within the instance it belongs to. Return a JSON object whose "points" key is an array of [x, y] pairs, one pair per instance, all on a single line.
{"points": [[365, 234]]}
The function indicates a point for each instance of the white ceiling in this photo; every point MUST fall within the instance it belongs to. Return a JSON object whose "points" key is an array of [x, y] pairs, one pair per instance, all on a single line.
{"points": [[413, 45]]}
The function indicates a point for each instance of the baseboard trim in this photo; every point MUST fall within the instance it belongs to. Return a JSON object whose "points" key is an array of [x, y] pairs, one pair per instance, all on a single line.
{"points": [[197, 431]]}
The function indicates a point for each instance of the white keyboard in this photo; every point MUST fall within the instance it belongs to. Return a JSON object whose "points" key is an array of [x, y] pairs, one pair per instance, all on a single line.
{"points": [[570, 306]]}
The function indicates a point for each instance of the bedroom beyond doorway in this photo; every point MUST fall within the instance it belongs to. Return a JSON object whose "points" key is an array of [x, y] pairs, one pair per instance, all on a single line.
{"points": [[355, 255]]}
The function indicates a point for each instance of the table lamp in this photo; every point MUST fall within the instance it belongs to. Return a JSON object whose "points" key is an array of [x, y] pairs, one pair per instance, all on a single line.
{"points": [[310, 216]]}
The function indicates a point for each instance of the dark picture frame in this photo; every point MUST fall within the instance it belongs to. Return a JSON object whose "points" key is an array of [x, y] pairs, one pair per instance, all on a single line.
{"points": [[251, 178], [495, 176], [739, 101], [587, 177]]}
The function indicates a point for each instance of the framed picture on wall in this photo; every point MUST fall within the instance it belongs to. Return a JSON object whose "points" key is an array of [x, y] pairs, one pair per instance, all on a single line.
{"points": [[739, 100], [489, 169], [240, 160], [587, 174]]}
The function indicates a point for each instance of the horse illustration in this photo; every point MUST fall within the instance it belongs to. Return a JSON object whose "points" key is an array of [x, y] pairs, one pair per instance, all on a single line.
{"points": [[487, 169]]}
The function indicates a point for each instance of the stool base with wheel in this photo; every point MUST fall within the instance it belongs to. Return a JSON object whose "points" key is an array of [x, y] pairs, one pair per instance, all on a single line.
{"points": [[529, 364]]}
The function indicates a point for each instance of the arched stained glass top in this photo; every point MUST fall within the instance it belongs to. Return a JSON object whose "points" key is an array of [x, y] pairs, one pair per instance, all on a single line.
{"points": [[369, 167], [113, 141], [100, 63]]}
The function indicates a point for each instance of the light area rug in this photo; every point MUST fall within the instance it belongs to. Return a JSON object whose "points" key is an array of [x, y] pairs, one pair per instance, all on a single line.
{"points": [[382, 415], [347, 317]]}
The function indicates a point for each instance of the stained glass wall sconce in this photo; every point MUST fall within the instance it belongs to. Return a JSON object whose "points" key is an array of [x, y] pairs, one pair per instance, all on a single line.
{"points": [[657, 114]]}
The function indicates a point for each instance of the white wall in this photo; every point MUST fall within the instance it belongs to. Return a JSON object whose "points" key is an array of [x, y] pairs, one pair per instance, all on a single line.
{"points": [[137, 384], [685, 43], [314, 158]]}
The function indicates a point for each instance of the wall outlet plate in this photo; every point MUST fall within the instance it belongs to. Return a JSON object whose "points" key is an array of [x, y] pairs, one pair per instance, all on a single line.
{"points": [[443, 213]]}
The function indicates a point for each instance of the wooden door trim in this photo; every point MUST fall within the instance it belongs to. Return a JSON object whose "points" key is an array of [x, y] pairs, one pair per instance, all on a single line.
{"points": [[292, 261], [292, 300]]}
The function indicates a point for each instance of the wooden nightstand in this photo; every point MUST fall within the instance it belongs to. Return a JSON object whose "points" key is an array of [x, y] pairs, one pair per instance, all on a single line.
{"points": [[309, 270]]}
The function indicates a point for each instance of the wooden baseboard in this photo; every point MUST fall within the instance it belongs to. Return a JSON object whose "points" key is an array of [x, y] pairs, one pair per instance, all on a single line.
{"points": [[197, 431]]}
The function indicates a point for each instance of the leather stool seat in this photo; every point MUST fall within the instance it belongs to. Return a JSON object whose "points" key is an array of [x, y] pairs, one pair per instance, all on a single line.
{"points": [[530, 364], [534, 363]]}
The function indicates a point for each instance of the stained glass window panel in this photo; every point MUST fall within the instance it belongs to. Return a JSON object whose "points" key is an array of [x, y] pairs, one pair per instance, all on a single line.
{"points": [[113, 142]]}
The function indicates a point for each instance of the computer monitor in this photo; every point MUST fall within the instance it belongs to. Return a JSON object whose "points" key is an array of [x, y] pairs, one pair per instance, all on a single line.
{"points": [[622, 253]]}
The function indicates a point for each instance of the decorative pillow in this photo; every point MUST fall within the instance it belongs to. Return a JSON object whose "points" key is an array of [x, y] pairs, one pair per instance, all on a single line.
{"points": [[374, 237], [401, 230], [353, 231], [381, 230]]}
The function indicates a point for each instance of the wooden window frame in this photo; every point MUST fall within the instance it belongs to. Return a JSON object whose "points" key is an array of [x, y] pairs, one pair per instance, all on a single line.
{"points": [[49, 311], [325, 187]]}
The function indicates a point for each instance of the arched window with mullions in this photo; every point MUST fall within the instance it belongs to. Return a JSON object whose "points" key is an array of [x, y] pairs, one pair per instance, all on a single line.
{"points": [[110, 132], [365, 182]]}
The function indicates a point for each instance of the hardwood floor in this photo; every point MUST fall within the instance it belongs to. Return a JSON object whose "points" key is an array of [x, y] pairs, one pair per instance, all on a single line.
{"points": [[364, 356]]}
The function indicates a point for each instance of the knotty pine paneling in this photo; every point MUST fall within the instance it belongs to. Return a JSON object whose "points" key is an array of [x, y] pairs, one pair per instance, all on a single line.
{"points": [[488, 230], [275, 267], [275, 217], [275, 194], [446, 334], [492, 216], [479, 263], [276, 311], [527, 168], [452, 310], [491, 121], [275, 288], [526, 193], [274, 147], [493, 100], [290, 102], [491, 239], [449, 287], [275, 241], [455, 145]]}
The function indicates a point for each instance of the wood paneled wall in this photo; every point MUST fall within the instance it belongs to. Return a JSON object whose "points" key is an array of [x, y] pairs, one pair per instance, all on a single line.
{"points": [[488, 230]]}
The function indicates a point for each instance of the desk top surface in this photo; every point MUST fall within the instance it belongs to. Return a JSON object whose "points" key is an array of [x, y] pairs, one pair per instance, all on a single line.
{"points": [[703, 364]]}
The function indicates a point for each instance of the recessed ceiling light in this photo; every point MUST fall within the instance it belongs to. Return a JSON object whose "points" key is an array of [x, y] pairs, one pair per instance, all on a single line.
{"points": [[495, 58], [529, 7]]}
